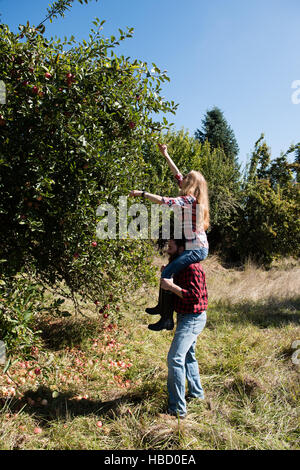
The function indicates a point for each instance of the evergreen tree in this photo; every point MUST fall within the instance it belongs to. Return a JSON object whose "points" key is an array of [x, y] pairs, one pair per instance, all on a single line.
{"points": [[217, 131], [297, 162], [260, 160]]}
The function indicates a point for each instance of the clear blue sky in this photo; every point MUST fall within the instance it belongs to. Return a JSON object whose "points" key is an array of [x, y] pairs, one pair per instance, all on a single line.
{"points": [[239, 55]]}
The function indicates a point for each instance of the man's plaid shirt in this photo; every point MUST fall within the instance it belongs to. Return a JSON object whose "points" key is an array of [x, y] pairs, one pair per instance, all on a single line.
{"points": [[194, 290]]}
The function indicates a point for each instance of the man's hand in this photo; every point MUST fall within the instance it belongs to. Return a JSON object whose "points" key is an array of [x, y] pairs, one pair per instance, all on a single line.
{"points": [[167, 284], [135, 192]]}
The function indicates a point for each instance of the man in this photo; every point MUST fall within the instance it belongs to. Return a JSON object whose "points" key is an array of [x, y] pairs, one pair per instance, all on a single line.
{"points": [[190, 303]]}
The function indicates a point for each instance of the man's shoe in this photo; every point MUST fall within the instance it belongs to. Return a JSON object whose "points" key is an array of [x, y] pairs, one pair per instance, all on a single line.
{"points": [[191, 397], [174, 413], [162, 324]]}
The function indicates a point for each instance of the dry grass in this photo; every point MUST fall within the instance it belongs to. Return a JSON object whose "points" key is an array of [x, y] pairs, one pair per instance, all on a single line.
{"points": [[252, 283], [252, 387]]}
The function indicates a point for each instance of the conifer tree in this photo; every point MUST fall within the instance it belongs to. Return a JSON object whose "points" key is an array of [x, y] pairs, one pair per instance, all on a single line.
{"points": [[219, 134]]}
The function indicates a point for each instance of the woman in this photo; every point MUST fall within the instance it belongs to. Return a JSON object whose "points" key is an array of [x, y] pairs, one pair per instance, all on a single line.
{"points": [[193, 199]]}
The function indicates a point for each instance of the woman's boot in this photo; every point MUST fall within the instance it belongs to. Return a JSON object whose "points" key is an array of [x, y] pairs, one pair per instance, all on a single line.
{"points": [[166, 322], [156, 310]]}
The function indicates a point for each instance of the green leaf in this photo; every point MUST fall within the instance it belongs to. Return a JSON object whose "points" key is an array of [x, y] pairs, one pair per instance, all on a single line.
{"points": [[65, 313], [7, 366]]}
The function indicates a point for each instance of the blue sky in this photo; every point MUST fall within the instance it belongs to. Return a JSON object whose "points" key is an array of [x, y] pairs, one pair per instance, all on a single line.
{"points": [[239, 55]]}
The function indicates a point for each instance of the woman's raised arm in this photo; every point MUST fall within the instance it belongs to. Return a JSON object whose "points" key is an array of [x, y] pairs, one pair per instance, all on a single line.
{"points": [[164, 151]]}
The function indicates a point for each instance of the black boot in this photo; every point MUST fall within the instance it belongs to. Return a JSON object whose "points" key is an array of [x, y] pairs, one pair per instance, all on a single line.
{"points": [[166, 322], [162, 324], [156, 310]]}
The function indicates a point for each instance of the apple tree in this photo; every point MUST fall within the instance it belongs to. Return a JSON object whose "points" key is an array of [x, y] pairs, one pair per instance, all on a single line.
{"points": [[71, 132]]}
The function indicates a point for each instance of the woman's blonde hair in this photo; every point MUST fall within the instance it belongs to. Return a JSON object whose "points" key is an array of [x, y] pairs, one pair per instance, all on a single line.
{"points": [[195, 184]]}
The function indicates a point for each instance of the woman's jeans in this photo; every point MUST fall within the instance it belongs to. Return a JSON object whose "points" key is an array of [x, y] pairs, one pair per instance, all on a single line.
{"points": [[182, 261], [182, 362]]}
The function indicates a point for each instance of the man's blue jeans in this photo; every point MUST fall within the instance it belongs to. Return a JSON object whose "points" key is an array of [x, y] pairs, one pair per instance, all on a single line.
{"points": [[182, 261], [182, 362]]}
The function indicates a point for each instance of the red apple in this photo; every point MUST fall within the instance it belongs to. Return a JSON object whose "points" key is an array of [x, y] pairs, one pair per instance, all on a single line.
{"points": [[132, 125], [37, 371], [70, 78], [35, 90], [48, 75], [37, 430], [94, 243]]}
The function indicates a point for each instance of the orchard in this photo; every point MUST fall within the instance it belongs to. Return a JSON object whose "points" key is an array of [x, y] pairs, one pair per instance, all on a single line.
{"points": [[71, 132], [78, 130]]}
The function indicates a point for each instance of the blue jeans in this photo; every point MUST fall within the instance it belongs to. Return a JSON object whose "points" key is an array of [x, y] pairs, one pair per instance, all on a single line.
{"points": [[182, 261], [182, 362]]}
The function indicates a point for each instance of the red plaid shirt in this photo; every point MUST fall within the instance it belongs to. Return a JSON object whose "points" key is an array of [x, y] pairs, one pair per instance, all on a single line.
{"points": [[194, 238], [194, 290]]}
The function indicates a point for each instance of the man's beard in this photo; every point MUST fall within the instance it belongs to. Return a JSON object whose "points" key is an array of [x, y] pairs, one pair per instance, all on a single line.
{"points": [[172, 257]]}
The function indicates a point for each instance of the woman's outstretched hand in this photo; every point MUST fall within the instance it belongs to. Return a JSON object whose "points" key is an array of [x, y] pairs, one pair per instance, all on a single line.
{"points": [[163, 149], [135, 192]]}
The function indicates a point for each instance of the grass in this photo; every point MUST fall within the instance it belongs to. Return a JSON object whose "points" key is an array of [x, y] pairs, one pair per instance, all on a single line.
{"points": [[114, 371]]}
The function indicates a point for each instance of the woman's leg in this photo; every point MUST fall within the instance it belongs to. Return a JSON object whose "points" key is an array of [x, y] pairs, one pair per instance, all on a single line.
{"points": [[182, 261], [185, 335], [166, 306]]}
